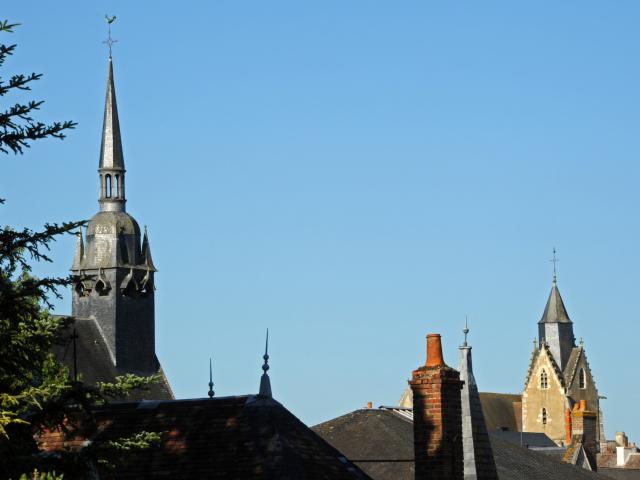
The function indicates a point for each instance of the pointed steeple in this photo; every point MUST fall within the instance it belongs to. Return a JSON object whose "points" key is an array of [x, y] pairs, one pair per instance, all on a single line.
{"points": [[111, 168], [555, 311], [555, 327], [478, 456], [146, 252], [265, 382], [79, 255]]}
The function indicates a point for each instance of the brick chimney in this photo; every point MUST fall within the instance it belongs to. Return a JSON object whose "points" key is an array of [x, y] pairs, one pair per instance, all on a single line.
{"points": [[567, 427], [437, 421], [583, 423]]}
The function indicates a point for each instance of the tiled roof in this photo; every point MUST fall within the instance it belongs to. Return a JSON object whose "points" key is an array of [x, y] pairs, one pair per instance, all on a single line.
{"points": [[382, 441], [246, 437], [95, 363]]}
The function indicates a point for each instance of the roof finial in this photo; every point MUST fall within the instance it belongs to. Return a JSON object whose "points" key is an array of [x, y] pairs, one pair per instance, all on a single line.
{"points": [[466, 329], [554, 260], [110, 41], [211, 392], [265, 382]]}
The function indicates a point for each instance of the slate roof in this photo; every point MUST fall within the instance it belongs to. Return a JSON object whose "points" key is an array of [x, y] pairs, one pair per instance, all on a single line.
{"points": [[555, 311], [95, 363], [374, 434], [572, 365], [244, 437], [502, 411], [620, 473]]}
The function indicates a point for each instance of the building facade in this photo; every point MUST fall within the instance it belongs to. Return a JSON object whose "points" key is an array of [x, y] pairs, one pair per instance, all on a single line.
{"points": [[559, 376]]}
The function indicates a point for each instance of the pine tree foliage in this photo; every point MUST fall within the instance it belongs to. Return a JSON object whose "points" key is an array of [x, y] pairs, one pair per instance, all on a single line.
{"points": [[36, 391], [17, 125]]}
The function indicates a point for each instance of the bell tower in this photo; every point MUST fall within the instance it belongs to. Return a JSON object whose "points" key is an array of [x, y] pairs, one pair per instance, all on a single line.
{"points": [[112, 269]]}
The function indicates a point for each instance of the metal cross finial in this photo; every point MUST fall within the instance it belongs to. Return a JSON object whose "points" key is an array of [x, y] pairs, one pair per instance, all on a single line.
{"points": [[110, 41], [466, 329], [211, 392], [554, 260]]}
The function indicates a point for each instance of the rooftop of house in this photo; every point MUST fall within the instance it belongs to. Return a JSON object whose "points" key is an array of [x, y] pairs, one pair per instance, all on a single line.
{"points": [[380, 441], [243, 437]]}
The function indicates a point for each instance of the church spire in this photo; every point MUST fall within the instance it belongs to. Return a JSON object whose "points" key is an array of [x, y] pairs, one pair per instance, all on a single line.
{"points": [[555, 326], [111, 168]]}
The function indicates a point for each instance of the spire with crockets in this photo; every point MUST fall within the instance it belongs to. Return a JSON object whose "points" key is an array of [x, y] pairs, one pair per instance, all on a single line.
{"points": [[555, 327]]}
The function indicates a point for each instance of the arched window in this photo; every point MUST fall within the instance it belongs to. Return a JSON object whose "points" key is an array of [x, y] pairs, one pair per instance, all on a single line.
{"points": [[582, 379], [107, 179], [544, 379], [117, 189], [544, 416]]}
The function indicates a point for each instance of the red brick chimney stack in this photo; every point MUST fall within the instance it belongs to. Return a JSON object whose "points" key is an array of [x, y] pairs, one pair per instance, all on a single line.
{"points": [[437, 421], [584, 427], [567, 427]]}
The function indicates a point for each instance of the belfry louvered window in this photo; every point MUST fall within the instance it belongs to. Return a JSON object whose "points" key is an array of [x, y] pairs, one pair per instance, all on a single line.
{"points": [[582, 379], [544, 379]]}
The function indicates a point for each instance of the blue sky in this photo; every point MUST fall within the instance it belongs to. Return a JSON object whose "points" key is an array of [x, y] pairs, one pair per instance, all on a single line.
{"points": [[354, 175]]}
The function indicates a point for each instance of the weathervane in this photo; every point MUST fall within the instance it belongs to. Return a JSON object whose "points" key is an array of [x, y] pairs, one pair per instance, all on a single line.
{"points": [[554, 260], [110, 41]]}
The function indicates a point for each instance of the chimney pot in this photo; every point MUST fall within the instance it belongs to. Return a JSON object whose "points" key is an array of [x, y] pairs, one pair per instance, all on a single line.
{"points": [[369, 405], [434, 351]]}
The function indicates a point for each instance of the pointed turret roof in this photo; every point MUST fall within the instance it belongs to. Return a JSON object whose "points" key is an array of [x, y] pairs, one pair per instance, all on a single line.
{"points": [[555, 311], [79, 256], [111, 156], [146, 252]]}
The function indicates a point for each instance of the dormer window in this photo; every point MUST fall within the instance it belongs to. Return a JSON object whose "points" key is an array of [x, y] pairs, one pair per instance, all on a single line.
{"points": [[582, 379], [544, 379]]}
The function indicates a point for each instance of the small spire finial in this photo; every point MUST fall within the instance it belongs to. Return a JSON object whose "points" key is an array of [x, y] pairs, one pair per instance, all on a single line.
{"points": [[211, 392], [581, 342], [110, 41], [265, 382], [466, 330], [554, 260]]}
